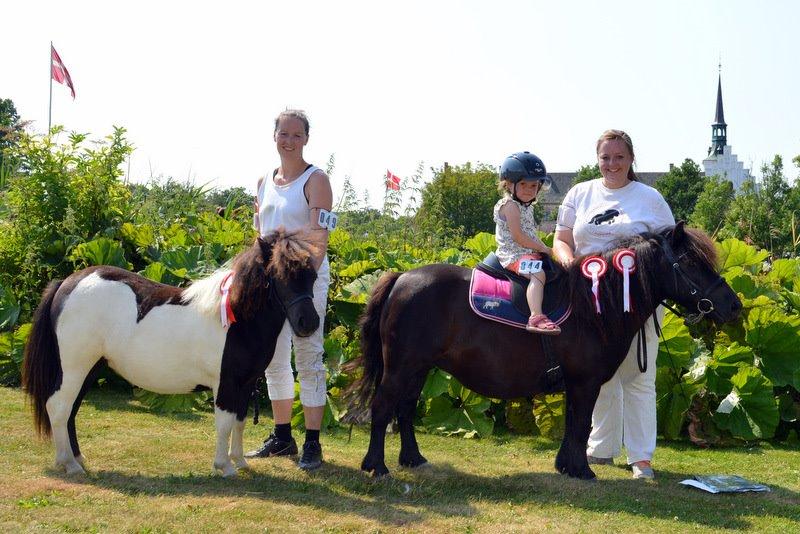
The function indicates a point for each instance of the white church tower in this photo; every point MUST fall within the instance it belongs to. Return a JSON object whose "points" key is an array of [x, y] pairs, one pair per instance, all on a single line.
{"points": [[721, 160]]}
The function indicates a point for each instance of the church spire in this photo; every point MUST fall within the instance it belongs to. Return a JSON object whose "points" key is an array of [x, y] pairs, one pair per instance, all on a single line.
{"points": [[719, 137]]}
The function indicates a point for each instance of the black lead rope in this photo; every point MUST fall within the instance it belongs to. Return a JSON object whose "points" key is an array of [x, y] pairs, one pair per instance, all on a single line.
{"points": [[255, 401], [641, 343], [641, 350]]}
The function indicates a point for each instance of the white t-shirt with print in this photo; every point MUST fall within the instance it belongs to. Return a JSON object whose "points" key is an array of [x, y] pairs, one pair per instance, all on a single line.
{"points": [[599, 216]]}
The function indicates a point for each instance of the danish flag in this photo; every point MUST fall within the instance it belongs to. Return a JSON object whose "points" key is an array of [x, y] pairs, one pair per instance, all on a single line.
{"points": [[392, 181], [59, 72]]}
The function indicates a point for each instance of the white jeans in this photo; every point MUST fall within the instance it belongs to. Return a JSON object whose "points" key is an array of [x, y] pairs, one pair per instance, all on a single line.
{"points": [[625, 411], [307, 354]]}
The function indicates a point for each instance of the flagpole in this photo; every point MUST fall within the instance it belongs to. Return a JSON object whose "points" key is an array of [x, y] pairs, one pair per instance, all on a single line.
{"points": [[50, 107]]}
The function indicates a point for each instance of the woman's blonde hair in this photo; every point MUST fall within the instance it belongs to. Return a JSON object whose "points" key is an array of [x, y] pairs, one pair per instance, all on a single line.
{"points": [[294, 114], [611, 135]]}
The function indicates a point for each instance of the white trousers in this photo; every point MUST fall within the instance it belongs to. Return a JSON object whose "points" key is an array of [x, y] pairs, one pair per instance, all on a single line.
{"points": [[625, 411], [308, 353]]}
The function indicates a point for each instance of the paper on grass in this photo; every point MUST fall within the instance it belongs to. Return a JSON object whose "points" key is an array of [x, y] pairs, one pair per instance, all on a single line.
{"points": [[723, 484]]}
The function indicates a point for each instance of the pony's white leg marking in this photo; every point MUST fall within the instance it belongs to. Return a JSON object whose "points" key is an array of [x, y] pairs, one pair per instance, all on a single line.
{"points": [[224, 421], [237, 445], [59, 407]]}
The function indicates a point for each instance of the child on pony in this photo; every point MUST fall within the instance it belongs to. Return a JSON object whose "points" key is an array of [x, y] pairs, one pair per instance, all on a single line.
{"points": [[522, 177]]}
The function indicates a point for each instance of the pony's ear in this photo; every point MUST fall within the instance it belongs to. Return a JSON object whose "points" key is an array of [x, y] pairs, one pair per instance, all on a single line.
{"points": [[265, 247], [678, 234]]}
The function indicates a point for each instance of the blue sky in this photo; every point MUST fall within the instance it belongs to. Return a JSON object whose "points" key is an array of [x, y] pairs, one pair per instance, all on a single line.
{"points": [[392, 85]]}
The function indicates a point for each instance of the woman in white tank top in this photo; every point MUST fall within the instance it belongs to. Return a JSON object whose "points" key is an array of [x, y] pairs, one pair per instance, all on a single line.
{"points": [[292, 196]]}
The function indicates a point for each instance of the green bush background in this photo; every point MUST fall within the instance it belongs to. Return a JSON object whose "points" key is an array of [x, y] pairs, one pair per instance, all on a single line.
{"points": [[63, 207]]}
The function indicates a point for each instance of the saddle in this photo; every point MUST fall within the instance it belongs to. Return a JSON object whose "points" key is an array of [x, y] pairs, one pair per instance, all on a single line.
{"points": [[498, 294]]}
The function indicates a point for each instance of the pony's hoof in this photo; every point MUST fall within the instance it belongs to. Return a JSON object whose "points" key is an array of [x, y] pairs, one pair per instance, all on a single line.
{"points": [[241, 463], [378, 469], [74, 469], [230, 473], [414, 461], [81, 460], [227, 470], [583, 474]]}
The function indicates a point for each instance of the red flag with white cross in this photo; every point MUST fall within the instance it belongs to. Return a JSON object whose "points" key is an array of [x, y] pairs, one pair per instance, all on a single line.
{"points": [[392, 181], [59, 72]]}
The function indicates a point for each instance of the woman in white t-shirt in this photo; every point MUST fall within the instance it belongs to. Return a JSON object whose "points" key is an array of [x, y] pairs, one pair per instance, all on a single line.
{"points": [[592, 217], [292, 197]]}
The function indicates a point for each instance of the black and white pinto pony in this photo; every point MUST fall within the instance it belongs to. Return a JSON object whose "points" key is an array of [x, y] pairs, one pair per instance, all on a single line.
{"points": [[167, 339]]}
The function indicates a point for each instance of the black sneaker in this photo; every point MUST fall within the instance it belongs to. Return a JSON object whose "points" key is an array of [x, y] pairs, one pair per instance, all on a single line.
{"points": [[273, 446], [312, 456]]}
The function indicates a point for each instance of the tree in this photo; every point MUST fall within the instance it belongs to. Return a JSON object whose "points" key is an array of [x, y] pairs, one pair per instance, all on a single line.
{"points": [[10, 128], [9, 122], [763, 215], [61, 194], [586, 173], [681, 187], [712, 204], [460, 198]]}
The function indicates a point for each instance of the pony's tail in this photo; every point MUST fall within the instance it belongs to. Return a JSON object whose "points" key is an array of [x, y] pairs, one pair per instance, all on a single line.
{"points": [[41, 368], [371, 344]]}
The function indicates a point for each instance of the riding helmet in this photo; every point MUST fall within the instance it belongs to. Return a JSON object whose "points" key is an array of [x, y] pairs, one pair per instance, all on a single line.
{"points": [[525, 166]]}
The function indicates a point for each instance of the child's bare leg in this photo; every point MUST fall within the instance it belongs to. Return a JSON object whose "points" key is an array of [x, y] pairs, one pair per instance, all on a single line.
{"points": [[538, 322], [535, 292]]}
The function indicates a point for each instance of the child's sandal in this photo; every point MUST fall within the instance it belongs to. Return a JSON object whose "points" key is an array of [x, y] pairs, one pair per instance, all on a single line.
{"points": [[541, 324]]}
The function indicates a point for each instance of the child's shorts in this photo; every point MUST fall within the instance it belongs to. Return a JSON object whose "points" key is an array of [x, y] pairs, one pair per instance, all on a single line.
{"points": [[515, 266]]}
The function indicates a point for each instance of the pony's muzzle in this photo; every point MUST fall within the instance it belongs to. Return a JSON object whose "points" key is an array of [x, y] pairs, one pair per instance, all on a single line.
{"points": [[306, 324], [734, 310], [727, 311]]}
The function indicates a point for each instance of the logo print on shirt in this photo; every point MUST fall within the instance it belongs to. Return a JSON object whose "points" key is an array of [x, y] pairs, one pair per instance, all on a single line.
{"points": [[607, 216]]}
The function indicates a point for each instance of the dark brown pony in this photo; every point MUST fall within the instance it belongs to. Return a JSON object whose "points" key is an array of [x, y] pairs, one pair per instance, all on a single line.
{"points": [[421, 319]]}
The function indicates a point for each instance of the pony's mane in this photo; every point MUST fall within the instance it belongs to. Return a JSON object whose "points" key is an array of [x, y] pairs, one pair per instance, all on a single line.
{"points": [[279, 256], [291, 251], [204, 294], [643, 281], [701, 248]]}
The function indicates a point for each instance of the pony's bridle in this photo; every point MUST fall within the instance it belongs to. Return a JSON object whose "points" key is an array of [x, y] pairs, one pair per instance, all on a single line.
{"points": [[286, 307], [704, 305]]}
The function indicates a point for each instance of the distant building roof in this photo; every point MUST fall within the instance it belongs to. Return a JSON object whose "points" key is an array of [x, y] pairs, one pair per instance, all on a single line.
{"points": [[719, 116]]}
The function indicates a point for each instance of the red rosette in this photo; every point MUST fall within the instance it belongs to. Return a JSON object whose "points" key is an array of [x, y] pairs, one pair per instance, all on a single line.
{"points": [[625, 262], [593, 264], [593, 268], [624, 258]]}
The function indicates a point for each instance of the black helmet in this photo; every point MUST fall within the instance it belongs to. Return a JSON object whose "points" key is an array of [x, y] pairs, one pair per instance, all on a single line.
{"points": [[525, 166]]}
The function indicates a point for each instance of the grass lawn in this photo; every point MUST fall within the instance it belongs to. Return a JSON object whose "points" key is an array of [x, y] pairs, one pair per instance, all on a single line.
{"points": [[152, 473]]}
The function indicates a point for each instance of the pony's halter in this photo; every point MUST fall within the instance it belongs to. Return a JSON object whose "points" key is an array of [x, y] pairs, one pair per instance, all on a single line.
{"points": [[704, 304], [286, 307]]}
